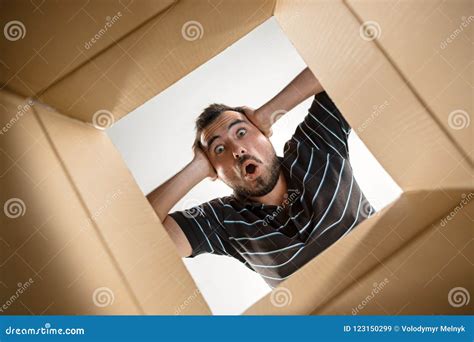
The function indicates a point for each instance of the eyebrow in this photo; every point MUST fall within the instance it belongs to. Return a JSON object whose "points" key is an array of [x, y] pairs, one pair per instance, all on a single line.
{"points": [[233, 123]]}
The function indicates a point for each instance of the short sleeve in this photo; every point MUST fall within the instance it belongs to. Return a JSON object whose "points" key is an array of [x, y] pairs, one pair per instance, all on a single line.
{"points": [[202, 227], [324, 127]]}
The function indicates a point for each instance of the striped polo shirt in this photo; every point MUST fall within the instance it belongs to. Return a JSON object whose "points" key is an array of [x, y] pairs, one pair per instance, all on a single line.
{"points": [[323, 203]]}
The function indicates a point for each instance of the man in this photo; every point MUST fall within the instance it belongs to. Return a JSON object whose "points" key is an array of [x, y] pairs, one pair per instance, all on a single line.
{"points": [[284, 210]]}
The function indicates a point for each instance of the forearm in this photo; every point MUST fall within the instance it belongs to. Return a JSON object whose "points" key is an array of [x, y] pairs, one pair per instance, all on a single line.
{"points": [[164, 197], [299, 89]]}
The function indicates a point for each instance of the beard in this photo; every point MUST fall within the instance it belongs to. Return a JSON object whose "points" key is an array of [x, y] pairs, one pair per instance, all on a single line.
{"points": [[264, 185]]}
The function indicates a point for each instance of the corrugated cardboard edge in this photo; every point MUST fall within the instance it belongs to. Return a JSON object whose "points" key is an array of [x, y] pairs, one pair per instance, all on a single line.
{"points": [[429, 275], [62, 134], [43, 245], [23, 87], [329, 272], [412, 139], [420, 17], [154, 57], [156, 252]]}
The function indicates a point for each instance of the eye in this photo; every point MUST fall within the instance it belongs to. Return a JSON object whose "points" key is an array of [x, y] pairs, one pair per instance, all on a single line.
{"points": [[219, 149], [241, 132]]}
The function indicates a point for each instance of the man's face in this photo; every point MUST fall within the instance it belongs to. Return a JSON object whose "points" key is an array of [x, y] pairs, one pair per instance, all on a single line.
{"points": [[242, 156]]}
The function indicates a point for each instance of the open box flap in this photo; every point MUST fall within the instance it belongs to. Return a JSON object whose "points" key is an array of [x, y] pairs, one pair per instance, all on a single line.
{"points": [[129, 227], [155, 56], [439, 65], [387, 113], [362, 251], [47, 240], [408, 138], [428, 275], [86, 201], [46, 40]]}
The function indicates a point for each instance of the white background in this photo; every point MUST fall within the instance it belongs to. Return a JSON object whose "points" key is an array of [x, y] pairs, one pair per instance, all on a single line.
{"points": [[155, 141]]}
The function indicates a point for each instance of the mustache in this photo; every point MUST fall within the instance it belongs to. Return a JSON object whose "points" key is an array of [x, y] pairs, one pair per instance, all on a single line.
{"points": [[242, 159]]}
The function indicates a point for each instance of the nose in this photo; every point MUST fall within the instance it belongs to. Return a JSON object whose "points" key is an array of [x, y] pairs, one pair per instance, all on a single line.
{"points": [[239, 151]]}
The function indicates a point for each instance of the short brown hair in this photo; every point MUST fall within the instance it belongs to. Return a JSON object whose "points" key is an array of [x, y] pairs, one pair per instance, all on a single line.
{"points": [[209, 115]]}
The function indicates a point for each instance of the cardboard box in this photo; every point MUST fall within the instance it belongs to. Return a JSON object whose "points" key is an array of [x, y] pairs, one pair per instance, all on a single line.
{"points": [[78, 226]]}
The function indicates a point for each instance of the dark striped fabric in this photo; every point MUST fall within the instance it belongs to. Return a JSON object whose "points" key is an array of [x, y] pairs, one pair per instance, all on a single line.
{"points": [[323, 203]]}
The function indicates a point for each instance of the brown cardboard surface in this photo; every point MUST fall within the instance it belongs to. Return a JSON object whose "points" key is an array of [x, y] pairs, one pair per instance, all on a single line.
{"points": [[420, 276], [124, 235], [438, 36], [129, 227], [403, 135], [155, 56], [55, 35], [67, 172], [394, 244], [49, 241]]}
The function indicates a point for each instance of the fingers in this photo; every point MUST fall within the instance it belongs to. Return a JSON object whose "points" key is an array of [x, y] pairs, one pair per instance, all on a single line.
{"points": [[268, 133]]}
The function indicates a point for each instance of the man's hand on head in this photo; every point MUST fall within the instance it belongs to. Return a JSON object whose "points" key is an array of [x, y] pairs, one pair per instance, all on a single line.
{"points": [[259, 120], [201, 161]]}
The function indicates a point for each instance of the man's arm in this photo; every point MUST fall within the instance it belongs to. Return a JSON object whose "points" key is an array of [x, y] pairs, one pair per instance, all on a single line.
{"points": [[299, 89], [164, 197]]}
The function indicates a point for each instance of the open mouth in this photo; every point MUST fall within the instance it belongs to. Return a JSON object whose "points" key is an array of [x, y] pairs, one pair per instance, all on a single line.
{"points": [[250, 169]]}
